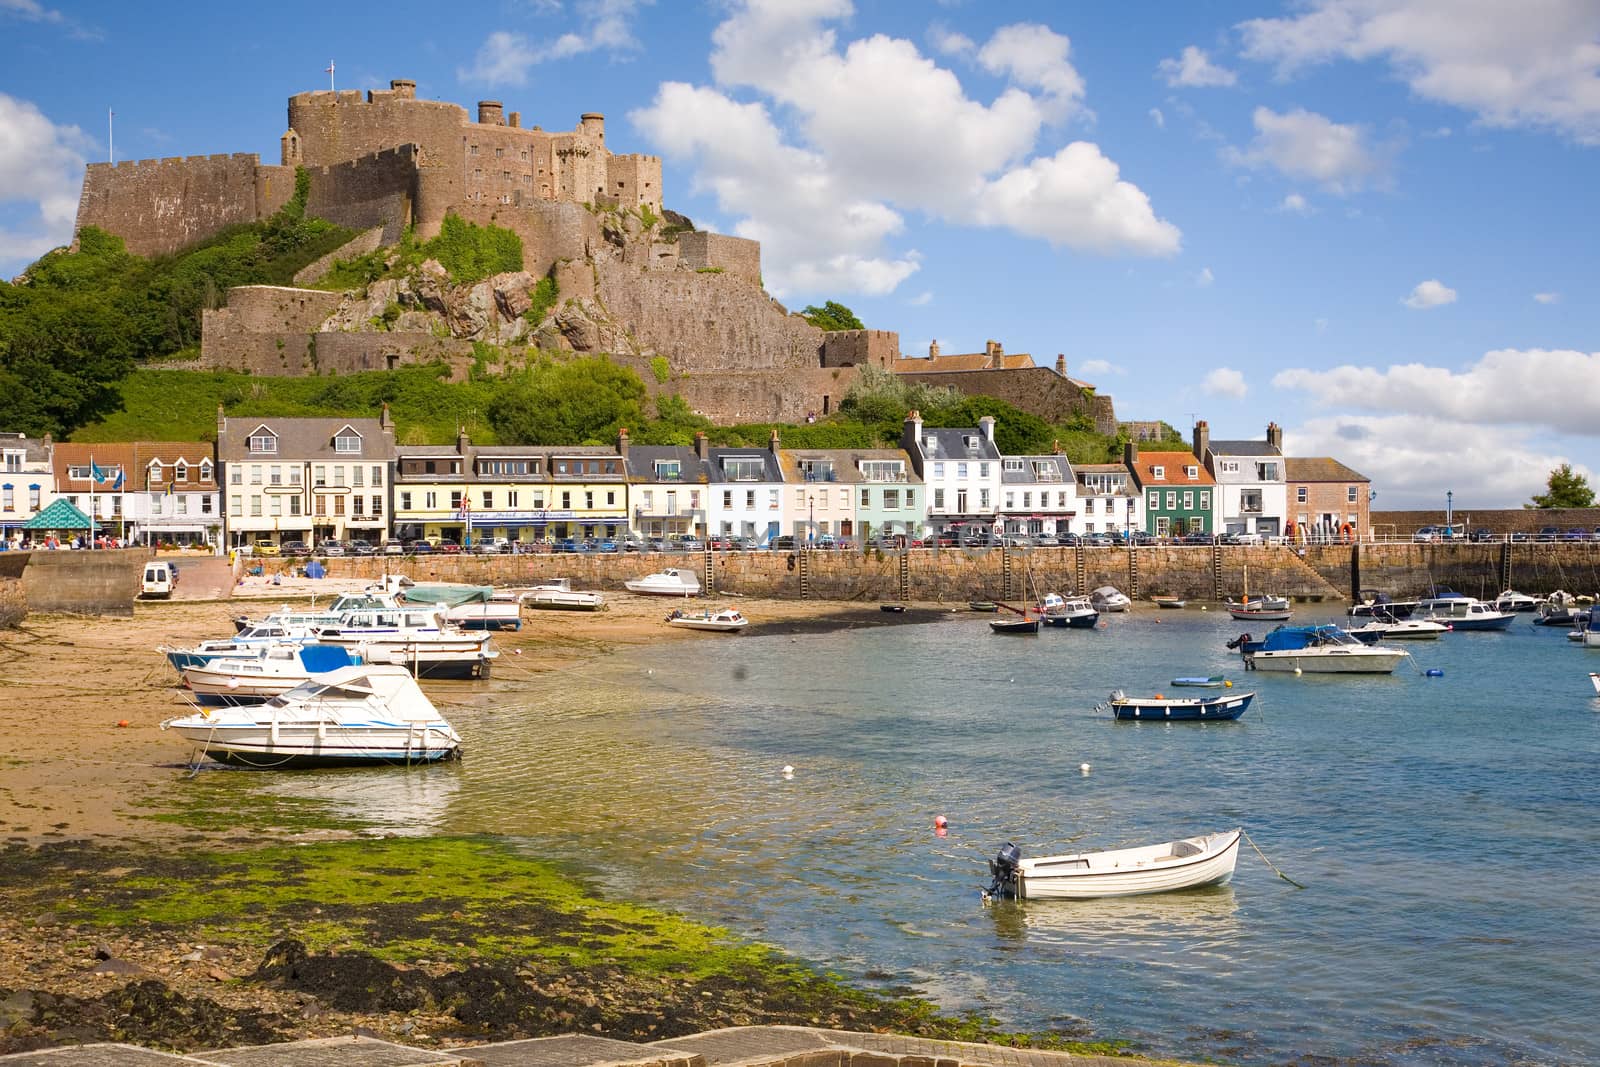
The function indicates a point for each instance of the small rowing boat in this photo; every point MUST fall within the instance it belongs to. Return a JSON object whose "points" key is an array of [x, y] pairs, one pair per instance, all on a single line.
{"points": [[1214, 681], [1178, 709], [1183, 864]]}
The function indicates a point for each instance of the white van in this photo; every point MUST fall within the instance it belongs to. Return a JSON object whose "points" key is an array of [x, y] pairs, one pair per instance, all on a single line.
{"points": [[159, 578]]}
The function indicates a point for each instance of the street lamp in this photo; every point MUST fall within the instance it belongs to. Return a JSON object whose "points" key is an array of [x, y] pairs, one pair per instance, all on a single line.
{"points": [[811, 524], [1449, 524]]}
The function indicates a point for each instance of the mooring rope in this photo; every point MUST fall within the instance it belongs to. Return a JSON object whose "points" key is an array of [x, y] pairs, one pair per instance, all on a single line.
{"points": [[1269, 863]]}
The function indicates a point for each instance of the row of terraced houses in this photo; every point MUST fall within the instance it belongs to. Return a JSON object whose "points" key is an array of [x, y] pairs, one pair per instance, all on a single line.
{"points": [[327, 479]]}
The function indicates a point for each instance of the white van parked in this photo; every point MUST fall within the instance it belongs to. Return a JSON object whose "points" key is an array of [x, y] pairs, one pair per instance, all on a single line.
{"points": [[159, 578]]}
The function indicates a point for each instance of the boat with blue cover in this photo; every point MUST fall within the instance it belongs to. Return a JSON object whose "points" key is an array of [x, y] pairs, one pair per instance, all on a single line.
{"points": [[1324, 649], [249, 641], [234, 681]]}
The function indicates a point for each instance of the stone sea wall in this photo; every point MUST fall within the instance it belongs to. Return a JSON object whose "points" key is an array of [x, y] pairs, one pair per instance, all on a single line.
{"points": [[1324, 573]]}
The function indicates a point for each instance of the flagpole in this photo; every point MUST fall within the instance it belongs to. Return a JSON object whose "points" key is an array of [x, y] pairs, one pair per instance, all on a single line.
{"points": [[91, 502]]}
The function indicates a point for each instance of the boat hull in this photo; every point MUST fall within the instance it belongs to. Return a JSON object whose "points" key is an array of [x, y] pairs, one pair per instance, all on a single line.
{"points": [[1015, 627], [1470, 622], [490, 616], [564, 601], [1214, 709], [1328, 661], [1261, 614], [1095, 875], [312, 744]]}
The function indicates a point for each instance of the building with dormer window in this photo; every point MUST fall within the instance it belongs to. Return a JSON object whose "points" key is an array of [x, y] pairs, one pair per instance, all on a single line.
{"points": [[1180, 495], [745, 497], [305, 479], [27, 480], [1038, 495], [1251, 486], [669, 487], [1107, 500], [960, 472]]}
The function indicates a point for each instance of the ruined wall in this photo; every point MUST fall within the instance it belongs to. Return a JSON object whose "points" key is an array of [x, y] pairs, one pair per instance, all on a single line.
{"points": [[705, 323], [857, 348], [716, 251], [1036, 390], [359, 245], [158, 206], [267, 308], [265, 329], [377, 190]]}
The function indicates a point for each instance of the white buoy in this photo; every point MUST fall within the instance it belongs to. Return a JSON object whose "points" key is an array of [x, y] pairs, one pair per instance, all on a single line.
{"points": [[1083, 768], [1298, 671], [788, 771]]}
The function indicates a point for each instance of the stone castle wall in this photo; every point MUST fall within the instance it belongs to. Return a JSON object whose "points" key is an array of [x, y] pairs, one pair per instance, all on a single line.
{"points": [[787, 395], [1497, 521], [360, 245], [158, 206], [550, 232], [858, 348], [715, 251], [377, 190]]}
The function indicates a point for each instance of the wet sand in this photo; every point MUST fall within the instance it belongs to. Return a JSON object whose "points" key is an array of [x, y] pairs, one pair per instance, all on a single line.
{"points": [[82, 699]]}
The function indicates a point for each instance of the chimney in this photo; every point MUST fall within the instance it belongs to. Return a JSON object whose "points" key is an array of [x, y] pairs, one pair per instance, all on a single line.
{"points": [[911, 433], [702, 447], [986, 424], [772, 444], [1130, 455], [490, 113], [622, 443], [1055, 447], [385, 421], [1275, 436], [1061, 364], [1202, 440], [461, 439], [515, 121], [222, 423], [933, 349], [994, 352]]}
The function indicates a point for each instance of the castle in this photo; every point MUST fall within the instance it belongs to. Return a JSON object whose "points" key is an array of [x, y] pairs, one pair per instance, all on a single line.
{"points": [[384, 161]]}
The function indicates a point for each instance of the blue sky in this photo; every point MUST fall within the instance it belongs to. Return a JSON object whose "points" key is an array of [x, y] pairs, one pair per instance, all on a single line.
{"points": [[1371, 221]]}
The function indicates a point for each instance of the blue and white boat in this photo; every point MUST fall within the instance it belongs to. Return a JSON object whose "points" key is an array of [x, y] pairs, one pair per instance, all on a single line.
{"points": [[233, 681], [1461, 612], [249, 641], [1074, 611], [354, 715], [1323, 649], [1178, 709]]}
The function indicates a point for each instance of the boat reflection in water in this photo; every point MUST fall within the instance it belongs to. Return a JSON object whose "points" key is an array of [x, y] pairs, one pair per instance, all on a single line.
{"points": [[1163, 929]]}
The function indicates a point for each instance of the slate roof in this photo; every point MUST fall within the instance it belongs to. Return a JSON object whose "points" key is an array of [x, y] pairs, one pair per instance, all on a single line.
{"points": [[771, 470], [951, 444], [1084, 469], [1244, 448], [845, 462], [303, 440], [34, 449], [642, 464], [1058, 470], [1173, 464], [1320, 469]]}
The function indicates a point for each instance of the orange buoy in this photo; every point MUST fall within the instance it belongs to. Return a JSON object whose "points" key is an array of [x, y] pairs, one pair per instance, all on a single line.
{"points": [[122, 723], [940, 822]]}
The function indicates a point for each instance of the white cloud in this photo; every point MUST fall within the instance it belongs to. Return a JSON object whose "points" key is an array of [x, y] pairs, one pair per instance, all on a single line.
{"points": [[1194, 69], [1430, 294], [948, 42], [1414, 458], [1555, 389], [1225, 381], [922, 299], [1158, 118], [880, 128], [1100, 367], [506, 58], [1547, 298], [41, 169], [1204, 278], [30, 11], [1533, 64], [1304, 144], [1296, 204]]}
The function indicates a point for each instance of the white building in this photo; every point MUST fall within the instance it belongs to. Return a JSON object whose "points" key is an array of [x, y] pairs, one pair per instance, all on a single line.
{"points": [[960, 471], [1107, 501], [1251, 488], [1038, 494], [27, 482], [745, 492]]}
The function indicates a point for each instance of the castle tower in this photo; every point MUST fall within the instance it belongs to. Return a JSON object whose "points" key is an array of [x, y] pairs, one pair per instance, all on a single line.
{"points": [[403, 88], [593, 124], [289, 148], [491, 113]]}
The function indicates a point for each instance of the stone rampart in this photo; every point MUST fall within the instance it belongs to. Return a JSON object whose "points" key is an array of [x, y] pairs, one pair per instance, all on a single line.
{"points": [[372, 190], [360, 245], [267, 308], [347, 353], [765, 396], [737, 256], [158, 206], [265, 329], [550, 231], [858, 348], [707, 323], [84, 583], [1037, 390], [1499, 521]]}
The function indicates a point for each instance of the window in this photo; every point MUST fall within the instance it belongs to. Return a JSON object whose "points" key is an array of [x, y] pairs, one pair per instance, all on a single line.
{"points": [[866, 498], [1188, 500], [33, 497], [1012, 466], [566, 500], [1191, 472], [1300, 494], [891, 499], [983, 500], [405, 501], [455, 500], [588, 500], [1158, 473], [743, 468], [255, 474], [356, 480], [727, 498], [156, 472], [1205, 500], [14, 461], [255, 507], [205, 470], [1230, 466], [277, 505], [377, 475], [1155, 499], [236, 506], [263, 441], [1266, 472], [7, 503], [773, 500], [294, 506], [319, 475], [358, 506], [666, 470], [1088, 507], [938, 470], [275, 475], [749, 499], [235, 475], [938, 499], [911, 498], [611, 498], [430, 501], [1350, 495], [511, 498], [983, 470], [1172, 499], [294, 475], [205, 504], [488, 500], [347, 440]]}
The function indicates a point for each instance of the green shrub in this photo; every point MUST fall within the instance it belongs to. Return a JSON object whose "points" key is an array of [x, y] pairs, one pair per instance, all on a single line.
{"points": [[660, 368], [544, 296], [471, 253]]}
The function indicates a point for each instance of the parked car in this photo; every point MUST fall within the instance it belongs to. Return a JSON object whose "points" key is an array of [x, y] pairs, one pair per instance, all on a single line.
{"points": [[293, 548], [784, 543], [1196, 539], [605, 544], [1426, 533], [267, 548], [1068, 539], [1517, 536], [1482, 533], [1549, 533], [394, 548], [721, 543], [359, 547], [419, 547], [1246, 539], [1576, 533], [632, 544], [447, 546], [1098, 540], [330, 548]]}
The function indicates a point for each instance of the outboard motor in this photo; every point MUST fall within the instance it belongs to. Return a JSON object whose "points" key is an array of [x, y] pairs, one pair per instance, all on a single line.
{"points": [[1239, 642], [1004, 868]]}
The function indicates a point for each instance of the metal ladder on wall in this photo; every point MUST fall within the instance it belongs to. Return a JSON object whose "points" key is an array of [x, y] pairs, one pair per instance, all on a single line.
{"points": [[805, 574], [1216, 573], [1080, 575], [905, 575], [711, 572], [1005, 574], [1505, 565], [1133, 571]]}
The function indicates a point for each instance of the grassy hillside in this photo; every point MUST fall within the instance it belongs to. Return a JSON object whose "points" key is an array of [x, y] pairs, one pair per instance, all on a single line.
{"points": [[181, 405]]}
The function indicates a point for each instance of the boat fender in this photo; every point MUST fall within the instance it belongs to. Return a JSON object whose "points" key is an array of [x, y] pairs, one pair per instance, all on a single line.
{"points": [[1433, 672], [791, 561]]}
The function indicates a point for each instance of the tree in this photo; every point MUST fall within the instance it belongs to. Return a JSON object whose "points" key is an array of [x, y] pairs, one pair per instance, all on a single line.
{"points": [[831, 316], [1566, 489], [579, 401]]}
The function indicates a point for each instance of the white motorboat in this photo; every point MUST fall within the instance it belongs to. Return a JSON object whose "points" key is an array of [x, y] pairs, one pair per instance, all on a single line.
{"points": [[1110, 598], [373, 598], [364, 714], [248, 641], [229, 681], [1558, 609], [1595, 678], [728, 620], [557, 594], [1259, 608], [1316, 650], [1183, 864], [1511, 600], [1399, 630], [1461, 612], [471, 607], [674, 581], [416, 638], [1076, 612]]}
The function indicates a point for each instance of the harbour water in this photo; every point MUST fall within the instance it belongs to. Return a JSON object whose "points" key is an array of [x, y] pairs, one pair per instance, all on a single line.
{"points": [[1444, 828]]}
